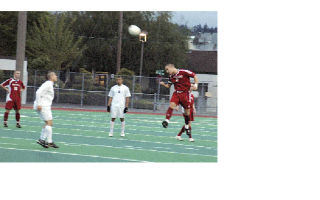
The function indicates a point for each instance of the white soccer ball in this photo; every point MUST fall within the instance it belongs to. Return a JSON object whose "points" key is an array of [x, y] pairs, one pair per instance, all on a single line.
{"points": [[134, 30]]}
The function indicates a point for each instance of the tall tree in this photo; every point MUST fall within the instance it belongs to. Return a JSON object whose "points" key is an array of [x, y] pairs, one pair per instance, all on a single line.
{"points": [[51, 44]]}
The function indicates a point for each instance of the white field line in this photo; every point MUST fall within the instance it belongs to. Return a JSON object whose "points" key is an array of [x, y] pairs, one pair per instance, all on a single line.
{"points": [[106, 146], [127, 126], [72, 154], [106, 137]]}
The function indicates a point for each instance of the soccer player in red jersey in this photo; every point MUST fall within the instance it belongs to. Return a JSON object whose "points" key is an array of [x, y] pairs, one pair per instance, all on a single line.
{"points": [[192, 113], [14, 87], [180, 78]]}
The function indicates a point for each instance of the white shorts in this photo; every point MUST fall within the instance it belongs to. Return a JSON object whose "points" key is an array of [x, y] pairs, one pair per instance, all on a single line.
{"points": [[117, 112], [45, 114]]}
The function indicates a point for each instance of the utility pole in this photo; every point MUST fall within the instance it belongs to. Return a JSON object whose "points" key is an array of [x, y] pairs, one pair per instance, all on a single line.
{"points": [[119, 41], [21, 41]]}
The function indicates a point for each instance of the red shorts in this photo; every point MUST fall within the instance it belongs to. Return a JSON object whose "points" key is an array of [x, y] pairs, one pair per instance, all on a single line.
{"points": [[182, 98], [15, 104]]}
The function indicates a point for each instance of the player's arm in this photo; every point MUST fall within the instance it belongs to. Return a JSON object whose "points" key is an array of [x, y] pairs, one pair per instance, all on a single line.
{"points": [[166, 85], [39, 95], [196, 81], [128, 95], [109, 103], [4, 84], [22, 87], [194, 109]]}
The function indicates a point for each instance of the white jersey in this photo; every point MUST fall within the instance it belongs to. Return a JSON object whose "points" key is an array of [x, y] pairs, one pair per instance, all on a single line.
{"points": [[44, 95], [119, 94]]}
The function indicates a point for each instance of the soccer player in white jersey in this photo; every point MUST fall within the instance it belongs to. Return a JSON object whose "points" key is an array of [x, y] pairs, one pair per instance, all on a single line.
{"points": [[42, 105], [119, 101]]}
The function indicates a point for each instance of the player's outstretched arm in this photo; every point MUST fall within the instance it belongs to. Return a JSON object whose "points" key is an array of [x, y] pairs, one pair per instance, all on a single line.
{"points": [[165, 85], [196, 81]]}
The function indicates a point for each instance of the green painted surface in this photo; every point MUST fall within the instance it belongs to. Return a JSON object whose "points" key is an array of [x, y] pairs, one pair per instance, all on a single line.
{"points": [[83, 137]]}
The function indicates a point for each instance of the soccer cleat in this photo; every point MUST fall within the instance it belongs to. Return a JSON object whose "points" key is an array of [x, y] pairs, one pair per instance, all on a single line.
{"points": [[110, 134], [5, 125], [18, 126], [122, 134], [165, 124], [191, 139], [43, 143], [179, 138], [53, 145]]}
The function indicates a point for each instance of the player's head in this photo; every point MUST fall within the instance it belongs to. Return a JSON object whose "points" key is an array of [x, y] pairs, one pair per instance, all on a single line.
{"points": [[119, 80], [16, 74], [51, 76], [170, 69]]}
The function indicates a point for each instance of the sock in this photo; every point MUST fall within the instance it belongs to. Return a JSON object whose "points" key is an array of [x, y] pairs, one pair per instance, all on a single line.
{"points": [[122, 126], [5, 117], [186, 120], [43, 134], [48, 130], [181, 131], [169, 113], [18, 118], [190, 132], [111, 126]]}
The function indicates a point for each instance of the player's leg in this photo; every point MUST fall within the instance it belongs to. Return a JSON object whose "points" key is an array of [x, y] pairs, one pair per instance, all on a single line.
{"points": [[9, 106], [174, 101], [18, 118], [48, 130], [172, 106], [111, 126], [122, 126], [114, 115], [5, 118], [17, 107], [190, 127], [178, 137]]}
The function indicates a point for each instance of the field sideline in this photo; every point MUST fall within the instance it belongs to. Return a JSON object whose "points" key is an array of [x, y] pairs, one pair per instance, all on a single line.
{"points": [[83, 137]]}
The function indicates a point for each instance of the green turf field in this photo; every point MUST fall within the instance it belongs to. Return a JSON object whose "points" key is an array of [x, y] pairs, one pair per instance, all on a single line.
{"points": [[83, 137]]}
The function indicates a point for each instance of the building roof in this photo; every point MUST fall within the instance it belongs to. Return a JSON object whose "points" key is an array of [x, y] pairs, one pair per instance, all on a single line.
{"points": [[202, 62]]}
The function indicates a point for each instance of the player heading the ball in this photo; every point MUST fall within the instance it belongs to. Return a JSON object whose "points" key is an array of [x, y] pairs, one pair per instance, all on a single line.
{"points": [[180, 78]]}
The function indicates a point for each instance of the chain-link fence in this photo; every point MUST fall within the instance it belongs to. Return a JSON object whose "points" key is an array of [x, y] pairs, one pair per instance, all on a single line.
{"points": [[87, 90]]}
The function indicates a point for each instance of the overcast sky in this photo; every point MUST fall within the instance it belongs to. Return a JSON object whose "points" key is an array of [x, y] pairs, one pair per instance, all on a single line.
{"points": [[192, 18]]}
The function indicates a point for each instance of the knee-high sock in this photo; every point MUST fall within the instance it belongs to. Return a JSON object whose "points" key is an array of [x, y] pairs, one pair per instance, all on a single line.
{"points": [[190, 136], [169, 113], [48, 130], [5, 117], [181, 131], [123, 124], [111, 126], [186, 119], [43, 135], [18, 117]]}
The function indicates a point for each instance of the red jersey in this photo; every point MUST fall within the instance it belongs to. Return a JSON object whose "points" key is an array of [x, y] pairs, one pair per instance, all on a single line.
{"points": [[15, 87], [181, 80]]}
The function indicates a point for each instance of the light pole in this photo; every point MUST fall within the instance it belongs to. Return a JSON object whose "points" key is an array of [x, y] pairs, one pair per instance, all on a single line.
{"points": [[143, 39]]}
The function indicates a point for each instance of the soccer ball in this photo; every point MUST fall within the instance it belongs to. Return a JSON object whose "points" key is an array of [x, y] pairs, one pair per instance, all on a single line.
{"points": [[134, 30]]}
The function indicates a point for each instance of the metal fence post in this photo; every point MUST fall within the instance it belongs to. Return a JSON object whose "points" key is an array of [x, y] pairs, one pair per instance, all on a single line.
{"points": [[107, 85], [82, 88], [154, 101], [133, 86], [35, 84], [58, 92]]}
